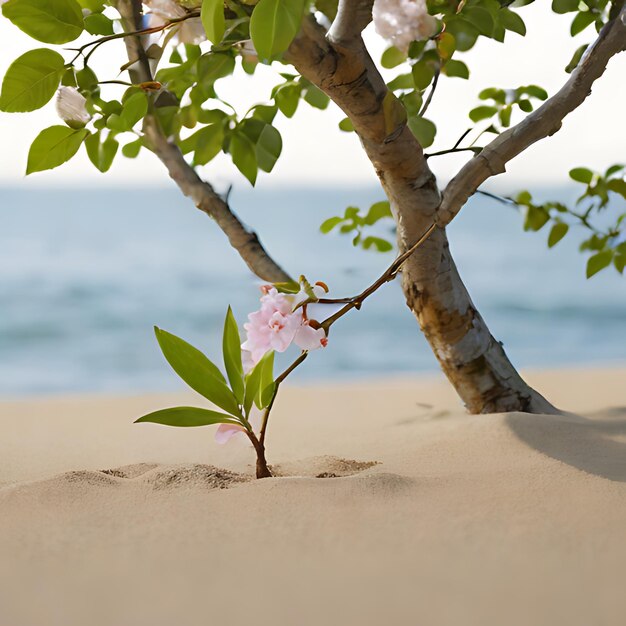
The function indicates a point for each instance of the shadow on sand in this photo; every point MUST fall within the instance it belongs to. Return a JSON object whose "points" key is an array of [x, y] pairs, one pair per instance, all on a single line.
{"points": [[596, 444]]}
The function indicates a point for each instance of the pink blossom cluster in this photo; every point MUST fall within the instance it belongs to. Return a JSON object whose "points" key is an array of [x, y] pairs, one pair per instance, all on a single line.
{"points": [[279, 323], [403, 21]]}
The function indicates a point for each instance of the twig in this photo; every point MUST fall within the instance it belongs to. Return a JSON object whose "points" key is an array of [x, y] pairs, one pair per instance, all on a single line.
{"points": [[450, 151], [430, 95], [96, 43]]}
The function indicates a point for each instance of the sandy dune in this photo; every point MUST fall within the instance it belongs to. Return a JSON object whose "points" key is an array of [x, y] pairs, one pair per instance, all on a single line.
{"points": [[424, 516]]}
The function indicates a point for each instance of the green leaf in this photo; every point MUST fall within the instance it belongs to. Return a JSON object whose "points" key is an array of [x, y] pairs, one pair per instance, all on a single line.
{"points": [[565, 6], [208, 143], [482, 113], [98, 24], [512, 21], [268, 148], [316, 97], [619, 260], [243, 153], [617, 185], [575, 60], [53, 147], [614, 169], [581, 21], [536, 218], [187, 417], [31, 80], [557, 232], [392, 57], [135, 109], [598, 262], [267, 386], [346, 125], [581, 175], [131, 150], [212, 16], [257, 382], [456, 69], [329, 224], [378, 211], [197, 371], [50, 21], [423, 73], [424, 130], [101, 154], [382, 245], [287, 98], [231, 346], [273, 25]]}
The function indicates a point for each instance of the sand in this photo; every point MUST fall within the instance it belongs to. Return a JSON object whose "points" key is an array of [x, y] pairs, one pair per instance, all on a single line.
{"points": [[425, 515]]}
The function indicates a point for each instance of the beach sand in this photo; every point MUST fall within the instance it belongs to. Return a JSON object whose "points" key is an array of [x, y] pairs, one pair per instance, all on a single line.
{"points": [[425, 515]]}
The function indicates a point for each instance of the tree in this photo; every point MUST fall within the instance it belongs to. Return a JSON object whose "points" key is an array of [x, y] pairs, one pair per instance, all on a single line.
{"points": [[321, 43]]}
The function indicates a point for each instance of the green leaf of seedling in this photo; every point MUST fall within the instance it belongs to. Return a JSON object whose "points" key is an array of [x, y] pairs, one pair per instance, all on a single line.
{"points": [[617, 185], [31, 80], [598, 262], [197, 371], [231, 345], [50, 21], [257, 381], [53, 147], [557, 232], [273, 25], [187, 417], [212, 16]]}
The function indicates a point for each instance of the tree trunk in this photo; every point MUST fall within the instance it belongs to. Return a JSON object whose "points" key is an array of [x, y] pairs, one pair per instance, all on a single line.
{"points": [[472, 359]]}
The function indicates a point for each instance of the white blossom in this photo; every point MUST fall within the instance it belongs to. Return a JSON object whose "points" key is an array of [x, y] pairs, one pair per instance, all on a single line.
{"points": [[162, 11], [71, 107], [402, 21]]}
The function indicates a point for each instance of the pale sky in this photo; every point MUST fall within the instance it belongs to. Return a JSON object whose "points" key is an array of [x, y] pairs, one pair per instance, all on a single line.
{"points": [[315, 152]]}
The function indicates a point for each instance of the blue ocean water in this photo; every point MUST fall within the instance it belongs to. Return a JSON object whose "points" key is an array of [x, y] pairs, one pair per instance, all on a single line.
{"points": [[86, 273]]}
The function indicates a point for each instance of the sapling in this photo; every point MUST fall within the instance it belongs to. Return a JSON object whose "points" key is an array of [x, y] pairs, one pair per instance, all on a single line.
{"points": [[248, 391]]}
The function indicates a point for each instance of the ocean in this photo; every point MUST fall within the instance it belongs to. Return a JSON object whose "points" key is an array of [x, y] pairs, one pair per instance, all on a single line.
{"points": [[86, 273]]}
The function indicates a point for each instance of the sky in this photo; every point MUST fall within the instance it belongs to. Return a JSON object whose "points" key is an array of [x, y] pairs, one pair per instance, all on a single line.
{"points": [[316, 152]]}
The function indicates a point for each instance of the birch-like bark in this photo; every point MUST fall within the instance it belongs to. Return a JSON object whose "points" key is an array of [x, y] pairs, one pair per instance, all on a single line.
{"points": [[202, 194], [339, 64]]}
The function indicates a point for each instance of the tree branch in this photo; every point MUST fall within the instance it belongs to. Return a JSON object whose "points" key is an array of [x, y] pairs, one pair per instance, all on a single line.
{"points": [[543, 122], [202, 193], [352, 18]]}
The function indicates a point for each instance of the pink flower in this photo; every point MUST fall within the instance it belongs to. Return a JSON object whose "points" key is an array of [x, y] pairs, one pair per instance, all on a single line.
{"points": [[309, 338], [403, 21], [225, 432], [275, 326]]}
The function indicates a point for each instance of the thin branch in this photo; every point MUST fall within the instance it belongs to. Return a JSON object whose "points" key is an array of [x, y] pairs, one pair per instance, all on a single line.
{"points": [[277, 383], [388, 275], [202, 193], [430, 95], [350, 303], [428, 155], [96, 43], [543, 122]]}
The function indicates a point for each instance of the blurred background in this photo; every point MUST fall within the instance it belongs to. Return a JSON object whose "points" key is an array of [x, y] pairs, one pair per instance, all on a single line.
{"points": [[90, 262]]}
